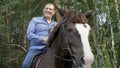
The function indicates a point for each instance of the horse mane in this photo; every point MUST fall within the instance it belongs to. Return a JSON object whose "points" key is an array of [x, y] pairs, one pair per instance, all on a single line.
{"points": [[74, 16], [54, 34]]}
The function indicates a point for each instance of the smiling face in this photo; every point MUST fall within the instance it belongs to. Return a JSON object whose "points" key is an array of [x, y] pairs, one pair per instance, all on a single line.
{"points": [[49, 10]]}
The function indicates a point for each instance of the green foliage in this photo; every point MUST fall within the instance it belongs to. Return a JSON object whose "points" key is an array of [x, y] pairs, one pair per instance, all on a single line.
{"points": [[74, 5]]}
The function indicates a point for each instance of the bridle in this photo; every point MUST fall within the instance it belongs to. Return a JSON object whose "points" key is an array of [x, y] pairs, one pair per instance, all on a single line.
{"points": [[69, 50], [72, 59]]}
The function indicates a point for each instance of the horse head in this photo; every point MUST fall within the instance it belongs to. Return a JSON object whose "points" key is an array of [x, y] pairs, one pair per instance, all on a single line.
{"points": [[69, 36]]}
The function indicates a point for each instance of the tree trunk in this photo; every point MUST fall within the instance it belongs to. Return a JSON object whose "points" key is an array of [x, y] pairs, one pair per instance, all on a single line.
{"points": [[58, 17], [99, 55], [117, 10], [95, 33], [25, 38], [112, 55], [8, 40]]}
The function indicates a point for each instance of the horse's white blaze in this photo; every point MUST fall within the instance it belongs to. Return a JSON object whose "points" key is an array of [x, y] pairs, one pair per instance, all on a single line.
{"points": [[88, 55]]}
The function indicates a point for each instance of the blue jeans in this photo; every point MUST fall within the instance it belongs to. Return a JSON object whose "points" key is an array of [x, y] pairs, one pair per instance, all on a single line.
{"points": [[30, 55]]}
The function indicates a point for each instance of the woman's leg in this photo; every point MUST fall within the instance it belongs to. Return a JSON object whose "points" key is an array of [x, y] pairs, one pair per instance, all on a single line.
{"points": [[30, 55]]}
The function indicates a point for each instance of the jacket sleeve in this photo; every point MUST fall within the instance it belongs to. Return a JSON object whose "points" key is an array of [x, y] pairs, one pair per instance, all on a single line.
{"points": [[31, 32]]}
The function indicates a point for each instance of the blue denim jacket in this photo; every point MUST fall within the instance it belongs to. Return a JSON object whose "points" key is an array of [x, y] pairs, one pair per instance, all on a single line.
{"points": [[37, 29]]}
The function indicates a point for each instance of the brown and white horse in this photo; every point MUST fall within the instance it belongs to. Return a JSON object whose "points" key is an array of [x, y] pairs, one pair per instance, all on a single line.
{"points": [[84, 29]]}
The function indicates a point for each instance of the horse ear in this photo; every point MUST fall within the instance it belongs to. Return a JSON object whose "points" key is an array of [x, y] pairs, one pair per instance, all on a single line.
{"points": [[88, 13], [61, 11]]}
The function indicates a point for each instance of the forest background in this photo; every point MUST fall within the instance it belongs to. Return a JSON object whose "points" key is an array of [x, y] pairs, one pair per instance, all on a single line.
{"points": [[104, 38]]}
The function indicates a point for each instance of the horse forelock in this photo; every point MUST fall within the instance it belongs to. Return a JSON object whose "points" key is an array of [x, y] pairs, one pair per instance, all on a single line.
{"points": [[74, 16]]}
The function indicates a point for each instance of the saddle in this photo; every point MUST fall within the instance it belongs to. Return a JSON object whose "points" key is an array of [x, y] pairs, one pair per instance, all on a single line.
{"points": [[45, 60]]}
